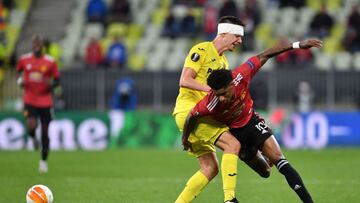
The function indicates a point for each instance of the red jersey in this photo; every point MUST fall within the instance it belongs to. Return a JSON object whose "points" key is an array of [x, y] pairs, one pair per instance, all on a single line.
{"points": [[37, 74], [238, 112]]}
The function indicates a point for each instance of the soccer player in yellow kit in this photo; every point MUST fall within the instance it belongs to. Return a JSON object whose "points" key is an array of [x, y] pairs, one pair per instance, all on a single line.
{"points": [[202, 59]]}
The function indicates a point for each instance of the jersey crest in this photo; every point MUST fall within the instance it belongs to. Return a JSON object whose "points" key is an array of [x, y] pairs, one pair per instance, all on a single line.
{"points": [[243, 94], [43, 68]]}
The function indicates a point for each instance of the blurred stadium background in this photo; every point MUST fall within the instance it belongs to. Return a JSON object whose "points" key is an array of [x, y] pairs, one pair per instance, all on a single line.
{"points": [[311, 100]]}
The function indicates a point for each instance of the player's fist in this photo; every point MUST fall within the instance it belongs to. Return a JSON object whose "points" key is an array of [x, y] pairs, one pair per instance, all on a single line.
{"points": [[306, 44], [20, 81], [186, 143]]}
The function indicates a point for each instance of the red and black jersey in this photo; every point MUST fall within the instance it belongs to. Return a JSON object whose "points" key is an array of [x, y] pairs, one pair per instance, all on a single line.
{"points": [[238, 112], [37, 75]]}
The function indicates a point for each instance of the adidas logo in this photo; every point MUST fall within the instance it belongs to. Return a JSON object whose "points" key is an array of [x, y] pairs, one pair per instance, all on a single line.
{"points": [[297, 187]]}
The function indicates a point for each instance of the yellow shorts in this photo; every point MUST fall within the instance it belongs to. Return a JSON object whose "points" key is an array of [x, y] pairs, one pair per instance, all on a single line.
{"points": [[204, 135]]}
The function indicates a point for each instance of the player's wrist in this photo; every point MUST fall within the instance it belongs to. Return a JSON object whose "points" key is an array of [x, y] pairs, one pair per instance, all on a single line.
{"points": [[207, 89], [20, 81], [296, 45]]}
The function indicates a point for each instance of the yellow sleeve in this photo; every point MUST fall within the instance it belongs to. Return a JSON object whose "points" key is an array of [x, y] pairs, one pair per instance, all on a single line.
{"points": [[196, 57]]}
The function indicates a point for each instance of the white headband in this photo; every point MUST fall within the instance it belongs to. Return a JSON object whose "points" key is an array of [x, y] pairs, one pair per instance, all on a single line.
{"points": [[231, 29]]}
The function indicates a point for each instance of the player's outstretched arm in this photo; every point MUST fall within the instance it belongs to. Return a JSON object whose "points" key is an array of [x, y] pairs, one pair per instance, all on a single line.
{"points": [[188, 128], [278, 49]]}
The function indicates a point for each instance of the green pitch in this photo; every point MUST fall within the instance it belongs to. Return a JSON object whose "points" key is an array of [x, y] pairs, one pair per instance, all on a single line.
{"points": [[158, 176]]}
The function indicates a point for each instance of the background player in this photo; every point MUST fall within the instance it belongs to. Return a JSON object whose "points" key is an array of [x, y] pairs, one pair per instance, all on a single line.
{"points": [[39, 76], [230, 103]]}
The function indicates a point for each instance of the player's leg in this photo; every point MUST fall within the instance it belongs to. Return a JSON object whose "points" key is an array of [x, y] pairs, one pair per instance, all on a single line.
{"points": [[272, 150], [31, 115], [45, 118], [45, 141], [231, 148], [208, 170], [202, 142], [259, 165], [250, 138]]}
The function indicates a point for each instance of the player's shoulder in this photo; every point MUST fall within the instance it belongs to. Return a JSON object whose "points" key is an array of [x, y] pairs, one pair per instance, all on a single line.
{"points": [[211, 100], [49, 58], [26, 56], [252, 63], [199, 51], [201, 47]]}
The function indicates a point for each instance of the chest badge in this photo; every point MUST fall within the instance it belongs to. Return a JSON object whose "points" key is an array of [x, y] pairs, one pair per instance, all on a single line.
{"points": [[243, 94], [43, 69]]}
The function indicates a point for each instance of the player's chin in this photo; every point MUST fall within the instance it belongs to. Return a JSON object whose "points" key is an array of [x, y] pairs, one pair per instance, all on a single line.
{"points": [[232, 47]]}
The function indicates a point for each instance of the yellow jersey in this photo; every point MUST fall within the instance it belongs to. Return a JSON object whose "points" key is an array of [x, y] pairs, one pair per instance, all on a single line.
{"points": [[203, 58]]}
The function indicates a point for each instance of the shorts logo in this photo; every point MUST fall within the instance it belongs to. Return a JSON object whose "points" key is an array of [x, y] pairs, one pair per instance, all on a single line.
{"points": [[297, 187], [195, 57], [261, 126]]}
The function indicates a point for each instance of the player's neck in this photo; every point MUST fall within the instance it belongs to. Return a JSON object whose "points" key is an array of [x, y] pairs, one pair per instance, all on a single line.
{"points": [[218, 46], [37, 55]]}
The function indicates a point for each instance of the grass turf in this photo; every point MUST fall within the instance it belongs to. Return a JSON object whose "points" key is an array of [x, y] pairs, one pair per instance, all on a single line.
{"points": [[151, 175]]}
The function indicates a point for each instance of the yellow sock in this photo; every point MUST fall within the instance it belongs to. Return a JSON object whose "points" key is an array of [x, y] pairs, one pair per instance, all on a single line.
{"points": [[229, 174], [193, 187]]}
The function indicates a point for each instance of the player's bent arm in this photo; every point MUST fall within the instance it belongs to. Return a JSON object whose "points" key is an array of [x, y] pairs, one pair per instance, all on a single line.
{"points": [[278, 49], [55, 83], [20, 79], [187, 79], [188, 128]]}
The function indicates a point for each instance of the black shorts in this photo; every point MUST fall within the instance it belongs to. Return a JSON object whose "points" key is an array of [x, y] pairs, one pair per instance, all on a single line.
{"points": [[44, 114], [252, 136]]}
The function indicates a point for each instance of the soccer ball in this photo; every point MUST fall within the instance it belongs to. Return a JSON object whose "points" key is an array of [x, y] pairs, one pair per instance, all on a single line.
{"points": [[39, 194]]}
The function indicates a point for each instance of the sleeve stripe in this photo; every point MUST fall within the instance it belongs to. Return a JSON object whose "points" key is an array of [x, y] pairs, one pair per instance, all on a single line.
{"points": [[212, 104], [251, 64]]}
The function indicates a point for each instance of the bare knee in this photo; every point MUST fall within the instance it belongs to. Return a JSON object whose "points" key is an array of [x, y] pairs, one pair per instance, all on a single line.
{"points": [[276, 157], [236, 147], [233, 147], [210, 170], [272, 150], [228, 143]]}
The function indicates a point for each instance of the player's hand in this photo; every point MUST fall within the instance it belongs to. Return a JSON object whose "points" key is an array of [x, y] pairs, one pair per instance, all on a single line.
{"points": [[20, 81], [306, 44], [186, 143]]}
